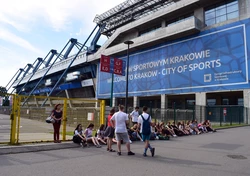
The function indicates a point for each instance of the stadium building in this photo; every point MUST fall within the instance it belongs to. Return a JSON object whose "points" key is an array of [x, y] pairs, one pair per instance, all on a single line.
{"points": [[184, 53]]}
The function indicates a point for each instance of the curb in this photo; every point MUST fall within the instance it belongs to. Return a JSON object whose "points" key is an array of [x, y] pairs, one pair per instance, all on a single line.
{"points": [[35, 148], [229, 127]]}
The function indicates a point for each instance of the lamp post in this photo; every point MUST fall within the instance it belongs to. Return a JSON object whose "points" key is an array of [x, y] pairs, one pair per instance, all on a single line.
{"points": [[127, 73]]}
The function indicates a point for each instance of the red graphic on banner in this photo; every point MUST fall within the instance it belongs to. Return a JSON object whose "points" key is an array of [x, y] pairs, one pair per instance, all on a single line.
{"points": [[115, 66], [105, 64], [118, 65]]}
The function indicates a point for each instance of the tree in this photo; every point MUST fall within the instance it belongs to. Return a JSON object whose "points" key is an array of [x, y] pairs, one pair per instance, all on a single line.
{"points": [[3, 93]]}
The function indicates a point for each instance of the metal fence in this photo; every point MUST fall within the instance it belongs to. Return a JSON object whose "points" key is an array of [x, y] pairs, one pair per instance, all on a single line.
{"points": [[28, 115], [218, 115]]}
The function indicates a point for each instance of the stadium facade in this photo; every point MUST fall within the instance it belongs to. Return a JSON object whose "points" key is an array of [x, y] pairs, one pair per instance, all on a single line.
{"points": [[185, 52]]}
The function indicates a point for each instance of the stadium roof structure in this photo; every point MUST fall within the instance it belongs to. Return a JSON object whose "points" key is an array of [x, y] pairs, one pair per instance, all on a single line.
{"points": [[129, 11]]}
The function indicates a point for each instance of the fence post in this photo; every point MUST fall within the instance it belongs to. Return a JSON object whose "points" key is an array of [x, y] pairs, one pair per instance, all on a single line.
{"points": [[13, 116], [102, 112], [239, 114], [220, 116], [151, 112], [193, 112], [231, 118], [64, 118], [174, 113], [18, 98]]}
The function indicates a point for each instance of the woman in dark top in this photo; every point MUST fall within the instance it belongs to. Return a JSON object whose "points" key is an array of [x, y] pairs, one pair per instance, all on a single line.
{"points": [[57, 116]]}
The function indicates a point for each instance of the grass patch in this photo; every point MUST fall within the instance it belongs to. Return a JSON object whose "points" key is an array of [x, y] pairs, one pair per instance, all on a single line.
{"points": [[71, 133]]}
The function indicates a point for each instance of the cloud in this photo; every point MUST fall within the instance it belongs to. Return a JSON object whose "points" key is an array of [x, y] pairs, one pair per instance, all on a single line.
{"points": [[21, 18], [59, 14], [12, 38], [11, 61]]}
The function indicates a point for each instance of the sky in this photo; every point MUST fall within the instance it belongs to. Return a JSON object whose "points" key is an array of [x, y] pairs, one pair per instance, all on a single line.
{"points": [[31, 28]]}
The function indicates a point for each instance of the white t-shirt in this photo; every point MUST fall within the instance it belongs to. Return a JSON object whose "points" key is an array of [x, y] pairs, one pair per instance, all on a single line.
{"points": [[100, 134], [78, 132], [120, 119], [140, 120], [88, 132], [135, 115]]}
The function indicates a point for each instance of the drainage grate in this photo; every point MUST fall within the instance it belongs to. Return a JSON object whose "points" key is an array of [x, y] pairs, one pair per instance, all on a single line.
{"points": [[236, 156]]}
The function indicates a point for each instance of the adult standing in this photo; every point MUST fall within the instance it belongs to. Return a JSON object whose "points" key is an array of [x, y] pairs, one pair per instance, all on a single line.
{"points": [[135, 114], [57, 116], [144, 124], [119, 121], [110, 131]]}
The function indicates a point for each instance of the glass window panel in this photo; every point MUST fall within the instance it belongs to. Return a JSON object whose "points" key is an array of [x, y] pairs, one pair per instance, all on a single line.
{"points": [[221, 7], [232, 8], [210, 11], [211, 102], [210, 15], [221, 19], [220, 12], [233, 3], [210, 22], [233, 15]]}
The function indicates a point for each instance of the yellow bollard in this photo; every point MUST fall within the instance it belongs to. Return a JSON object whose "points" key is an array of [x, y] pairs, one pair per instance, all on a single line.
{"points": [[102, 112], [18, 118], [13, 117], [64, 119]]}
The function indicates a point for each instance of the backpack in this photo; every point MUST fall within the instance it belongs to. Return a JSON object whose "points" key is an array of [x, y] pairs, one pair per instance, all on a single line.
{"points": [[146, 128]]}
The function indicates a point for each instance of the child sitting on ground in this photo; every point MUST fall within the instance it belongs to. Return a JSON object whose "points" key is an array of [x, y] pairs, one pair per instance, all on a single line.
{"points": [[78, 136], [89, 137], [100, 134]]}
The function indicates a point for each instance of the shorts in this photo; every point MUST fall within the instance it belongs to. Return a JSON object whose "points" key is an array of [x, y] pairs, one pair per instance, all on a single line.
{"points": [[145, 137], [122, 136], [109, 132]]}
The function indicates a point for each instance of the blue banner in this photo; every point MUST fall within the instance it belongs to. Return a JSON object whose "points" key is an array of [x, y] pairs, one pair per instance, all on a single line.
{"points": [[215, 59]]}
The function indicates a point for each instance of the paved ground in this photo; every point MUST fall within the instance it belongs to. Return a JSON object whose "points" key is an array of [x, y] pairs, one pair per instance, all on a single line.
{"points": [[4, 128], [203, 155], [30, 130]]}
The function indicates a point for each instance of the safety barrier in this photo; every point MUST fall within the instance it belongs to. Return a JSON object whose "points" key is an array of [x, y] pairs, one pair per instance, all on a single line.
{"points": [[28, 115]]}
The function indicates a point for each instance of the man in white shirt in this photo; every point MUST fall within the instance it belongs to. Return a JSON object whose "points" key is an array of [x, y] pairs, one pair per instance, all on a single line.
{"points": [[144, 124], [135, 114], [119, 121]]}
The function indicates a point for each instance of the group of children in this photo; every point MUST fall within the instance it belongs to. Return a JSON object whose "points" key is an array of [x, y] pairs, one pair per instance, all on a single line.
{"points": [[181, 129], [143, 129], [83, 137], [117, 126]]}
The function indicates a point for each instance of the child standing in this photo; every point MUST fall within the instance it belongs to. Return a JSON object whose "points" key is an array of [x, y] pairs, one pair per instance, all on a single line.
{"points": [[144, 124]]}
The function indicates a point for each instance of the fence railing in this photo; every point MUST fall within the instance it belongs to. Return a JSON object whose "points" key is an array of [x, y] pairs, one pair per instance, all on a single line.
{"points": [[218, 115], [26, 122]]}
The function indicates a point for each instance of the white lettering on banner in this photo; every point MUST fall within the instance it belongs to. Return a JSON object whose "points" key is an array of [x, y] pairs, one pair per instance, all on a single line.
{"points": [[168, 71], [172, 60], [205, 65], [170, 68], [145, 74]]}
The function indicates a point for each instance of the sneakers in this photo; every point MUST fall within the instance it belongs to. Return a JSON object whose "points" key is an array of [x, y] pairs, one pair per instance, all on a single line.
{"points": [[131, 153], [145, 155], [152, 152]]}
